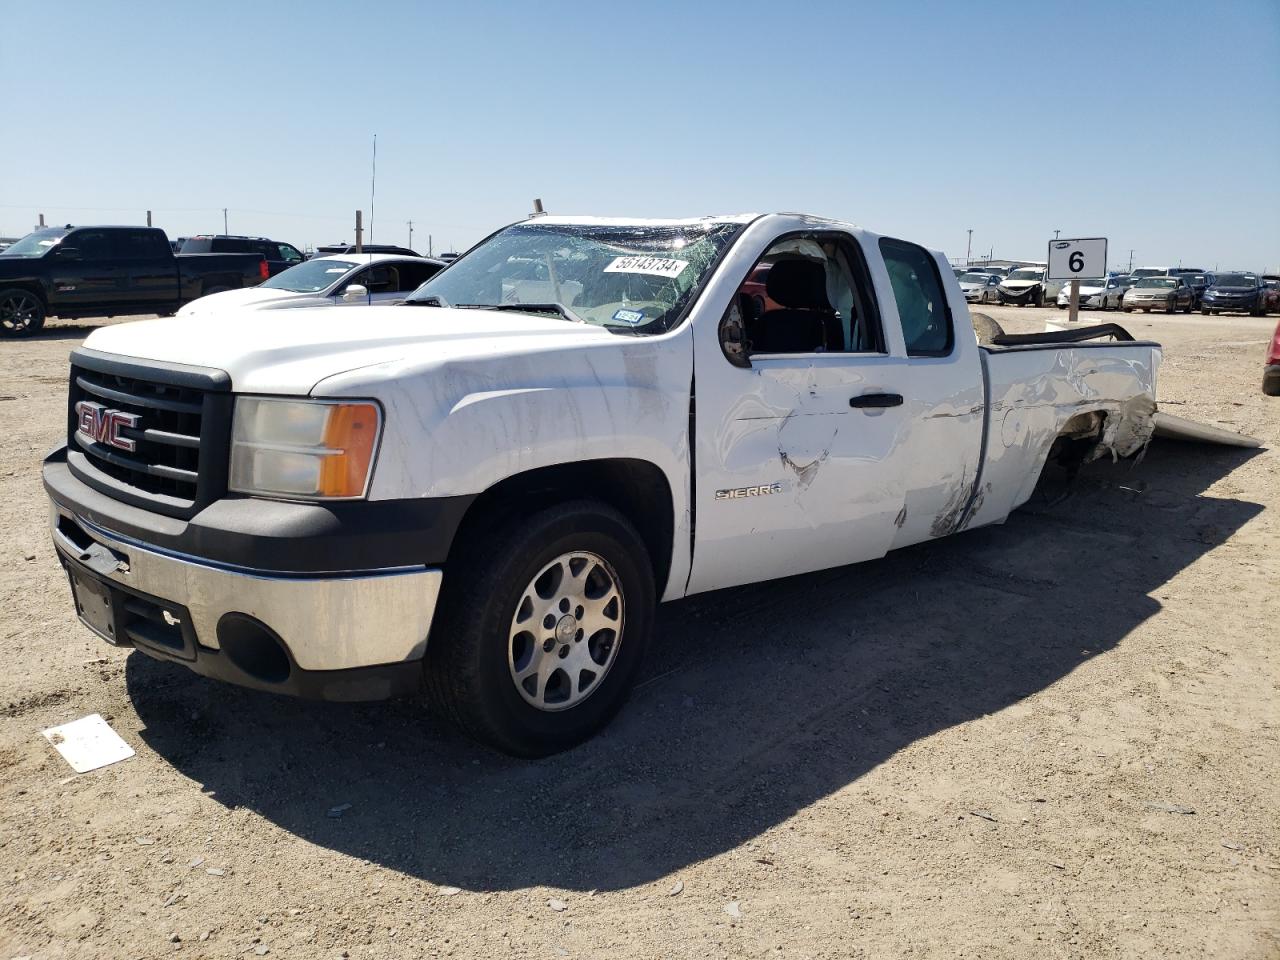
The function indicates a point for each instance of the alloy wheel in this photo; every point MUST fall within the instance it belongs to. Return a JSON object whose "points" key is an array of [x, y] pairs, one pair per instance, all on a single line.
{"points": [[566, 631], [19, 312]]}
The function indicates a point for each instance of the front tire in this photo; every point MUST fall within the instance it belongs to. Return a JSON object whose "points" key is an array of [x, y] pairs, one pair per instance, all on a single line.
{"points": [[21, 312], [542, 628]]}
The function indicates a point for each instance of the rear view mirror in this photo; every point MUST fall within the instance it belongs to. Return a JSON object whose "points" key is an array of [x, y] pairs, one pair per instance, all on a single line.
{"points": [[67, 253], [355, 293]]}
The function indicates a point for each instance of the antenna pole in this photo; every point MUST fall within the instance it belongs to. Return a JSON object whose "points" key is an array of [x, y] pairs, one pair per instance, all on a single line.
{"points": [[373, 185]]}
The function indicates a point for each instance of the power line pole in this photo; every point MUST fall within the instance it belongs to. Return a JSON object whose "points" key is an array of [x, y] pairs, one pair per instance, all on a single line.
{"points": [[225, 231], [410, 222], [968, 248], [148, 218], [430, 248], [1131, 261]]}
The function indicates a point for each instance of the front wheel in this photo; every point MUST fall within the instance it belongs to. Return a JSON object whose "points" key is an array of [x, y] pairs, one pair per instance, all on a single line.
{"points": [[542, 628], [21, 313]]}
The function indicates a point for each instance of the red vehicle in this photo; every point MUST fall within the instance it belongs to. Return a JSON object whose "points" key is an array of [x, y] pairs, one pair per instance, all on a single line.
{"points": [[1271, 372]]}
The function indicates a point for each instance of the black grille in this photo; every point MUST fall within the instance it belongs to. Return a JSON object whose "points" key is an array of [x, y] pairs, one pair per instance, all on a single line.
{"points": [[179, 460]]}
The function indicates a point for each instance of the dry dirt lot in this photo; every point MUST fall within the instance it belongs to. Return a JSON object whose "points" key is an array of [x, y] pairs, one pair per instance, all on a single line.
{"points": [[1059, 737]]}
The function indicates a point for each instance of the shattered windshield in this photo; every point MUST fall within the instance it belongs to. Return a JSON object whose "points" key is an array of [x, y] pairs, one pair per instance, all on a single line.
{"points": [[627, 278]]}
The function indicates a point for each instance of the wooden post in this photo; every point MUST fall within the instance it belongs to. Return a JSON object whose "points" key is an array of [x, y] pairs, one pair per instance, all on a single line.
{"points": [[1074, 313], [359, 231]]}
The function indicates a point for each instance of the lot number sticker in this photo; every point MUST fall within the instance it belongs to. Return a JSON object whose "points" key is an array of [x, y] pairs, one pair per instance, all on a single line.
{"points": [[653, 266]]}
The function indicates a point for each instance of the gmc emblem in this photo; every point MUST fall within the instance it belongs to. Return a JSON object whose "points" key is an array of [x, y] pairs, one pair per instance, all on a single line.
{"points": [[103, 426]]}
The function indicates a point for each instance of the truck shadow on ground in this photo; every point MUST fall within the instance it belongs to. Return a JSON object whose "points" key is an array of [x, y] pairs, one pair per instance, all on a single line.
{"points": [[757, 701]]}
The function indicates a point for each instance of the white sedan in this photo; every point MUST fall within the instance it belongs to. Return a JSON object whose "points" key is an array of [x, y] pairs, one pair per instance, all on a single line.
{"points": [[342, 279], [1099, 293], [980, 287]]}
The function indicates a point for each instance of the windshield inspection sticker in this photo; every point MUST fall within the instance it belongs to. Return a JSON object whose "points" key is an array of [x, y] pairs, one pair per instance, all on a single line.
{"points": [[653, 266], [632, 317]]}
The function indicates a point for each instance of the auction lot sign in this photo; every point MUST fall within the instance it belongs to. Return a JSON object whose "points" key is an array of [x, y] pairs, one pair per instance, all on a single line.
{"points": [[1074, 259]]}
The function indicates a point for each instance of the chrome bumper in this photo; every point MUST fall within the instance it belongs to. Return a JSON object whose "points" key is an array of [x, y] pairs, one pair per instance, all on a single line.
{"points": [[341, 621]]}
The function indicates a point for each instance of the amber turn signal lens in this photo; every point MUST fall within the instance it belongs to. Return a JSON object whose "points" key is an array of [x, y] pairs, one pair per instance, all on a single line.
{"points": [[350, 436]]}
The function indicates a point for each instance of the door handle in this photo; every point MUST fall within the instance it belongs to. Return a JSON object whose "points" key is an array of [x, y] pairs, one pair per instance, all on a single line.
{"points": [[876, 400]]}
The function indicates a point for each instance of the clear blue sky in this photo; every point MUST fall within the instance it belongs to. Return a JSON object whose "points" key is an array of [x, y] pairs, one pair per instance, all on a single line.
{"points": [[1156, 125]]}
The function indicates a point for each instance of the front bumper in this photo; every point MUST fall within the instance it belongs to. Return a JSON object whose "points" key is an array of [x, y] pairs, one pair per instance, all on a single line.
{"points": [[330, 634], [1229, 306], [1020, 296]]}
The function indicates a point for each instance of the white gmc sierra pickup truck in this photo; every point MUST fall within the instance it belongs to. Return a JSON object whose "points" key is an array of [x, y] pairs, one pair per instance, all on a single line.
{"points": [[485, 490]]}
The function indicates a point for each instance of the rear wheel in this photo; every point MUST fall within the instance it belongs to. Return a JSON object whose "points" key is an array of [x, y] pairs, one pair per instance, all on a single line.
{"points": [[21, 312], [542, 629]]}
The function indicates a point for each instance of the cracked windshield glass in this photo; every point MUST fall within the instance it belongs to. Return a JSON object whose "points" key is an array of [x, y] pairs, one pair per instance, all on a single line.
{"points": [[632, 279]]}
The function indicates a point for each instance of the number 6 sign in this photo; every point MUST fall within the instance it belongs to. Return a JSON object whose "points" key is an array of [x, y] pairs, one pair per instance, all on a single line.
{"points": [[1076, 259]]}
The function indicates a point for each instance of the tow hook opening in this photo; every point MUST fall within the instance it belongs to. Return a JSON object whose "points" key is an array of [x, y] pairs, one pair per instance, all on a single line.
{"points": [[254, 648]]}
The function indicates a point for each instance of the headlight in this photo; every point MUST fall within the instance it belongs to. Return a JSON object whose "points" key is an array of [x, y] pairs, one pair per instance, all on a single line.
{"points": [[305, 449]]}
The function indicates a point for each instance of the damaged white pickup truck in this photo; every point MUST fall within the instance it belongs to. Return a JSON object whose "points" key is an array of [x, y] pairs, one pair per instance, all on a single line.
{"points": [[486, 490]]}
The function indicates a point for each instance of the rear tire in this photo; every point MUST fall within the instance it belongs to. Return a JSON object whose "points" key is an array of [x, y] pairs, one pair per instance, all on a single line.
{"points": [[514, 609], [22, 313]]}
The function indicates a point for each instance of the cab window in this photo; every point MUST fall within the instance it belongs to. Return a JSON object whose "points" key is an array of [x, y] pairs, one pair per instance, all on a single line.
{"points": [[922, 305], [810, 294]]}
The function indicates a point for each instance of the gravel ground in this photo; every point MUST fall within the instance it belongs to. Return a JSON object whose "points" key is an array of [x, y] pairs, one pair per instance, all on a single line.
{"points": [[1053, 738]]}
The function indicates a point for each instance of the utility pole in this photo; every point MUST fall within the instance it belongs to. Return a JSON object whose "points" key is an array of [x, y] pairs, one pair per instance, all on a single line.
{"points": [[42, 221], [225, 231], [148, 218], [359, 231], [1131, 261], [968, 248], [1055, 234], [410, 222], [430, 251]]}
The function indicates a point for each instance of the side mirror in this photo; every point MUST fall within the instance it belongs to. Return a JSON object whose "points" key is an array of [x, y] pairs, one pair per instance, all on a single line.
{"points": [[733, 333], [354, 293], [67, 253]]}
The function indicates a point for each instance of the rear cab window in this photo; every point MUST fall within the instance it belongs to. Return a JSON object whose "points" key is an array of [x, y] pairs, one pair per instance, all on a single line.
{"points": [[923, 310]]}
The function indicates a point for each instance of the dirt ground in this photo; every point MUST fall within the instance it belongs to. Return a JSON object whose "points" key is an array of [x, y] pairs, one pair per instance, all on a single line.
{"points": [[1059, 737]]}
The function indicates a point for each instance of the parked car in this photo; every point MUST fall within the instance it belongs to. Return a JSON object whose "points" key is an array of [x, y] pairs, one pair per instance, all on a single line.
{"points": [[1141, 273], [109, 271], [279, 256], [1024, 286], [1271, 369], [1167, 293], [353, 279], [489, 499], [1103, 293], [1242, 292], [980, 287], [331, 248], [1271, 290]]}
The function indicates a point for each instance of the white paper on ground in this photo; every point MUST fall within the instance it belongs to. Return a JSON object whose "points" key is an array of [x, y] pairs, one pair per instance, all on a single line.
{"points": [[88, 743]]}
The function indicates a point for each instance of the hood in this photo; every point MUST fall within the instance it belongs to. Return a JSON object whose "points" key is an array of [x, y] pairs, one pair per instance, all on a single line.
{"points": [[1020, 284], [1234, 291], [290, 351], [249, 296], [969, 286]]}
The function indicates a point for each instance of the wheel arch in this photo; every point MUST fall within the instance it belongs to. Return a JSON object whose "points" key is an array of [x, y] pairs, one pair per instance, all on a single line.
{"points": [[639, 489]]}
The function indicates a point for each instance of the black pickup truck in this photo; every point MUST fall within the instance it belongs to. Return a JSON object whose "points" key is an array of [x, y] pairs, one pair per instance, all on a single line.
{"points": [[109, 271]]}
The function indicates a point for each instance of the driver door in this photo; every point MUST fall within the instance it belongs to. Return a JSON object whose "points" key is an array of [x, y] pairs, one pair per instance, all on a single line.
{"points": [[798, 454]]}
